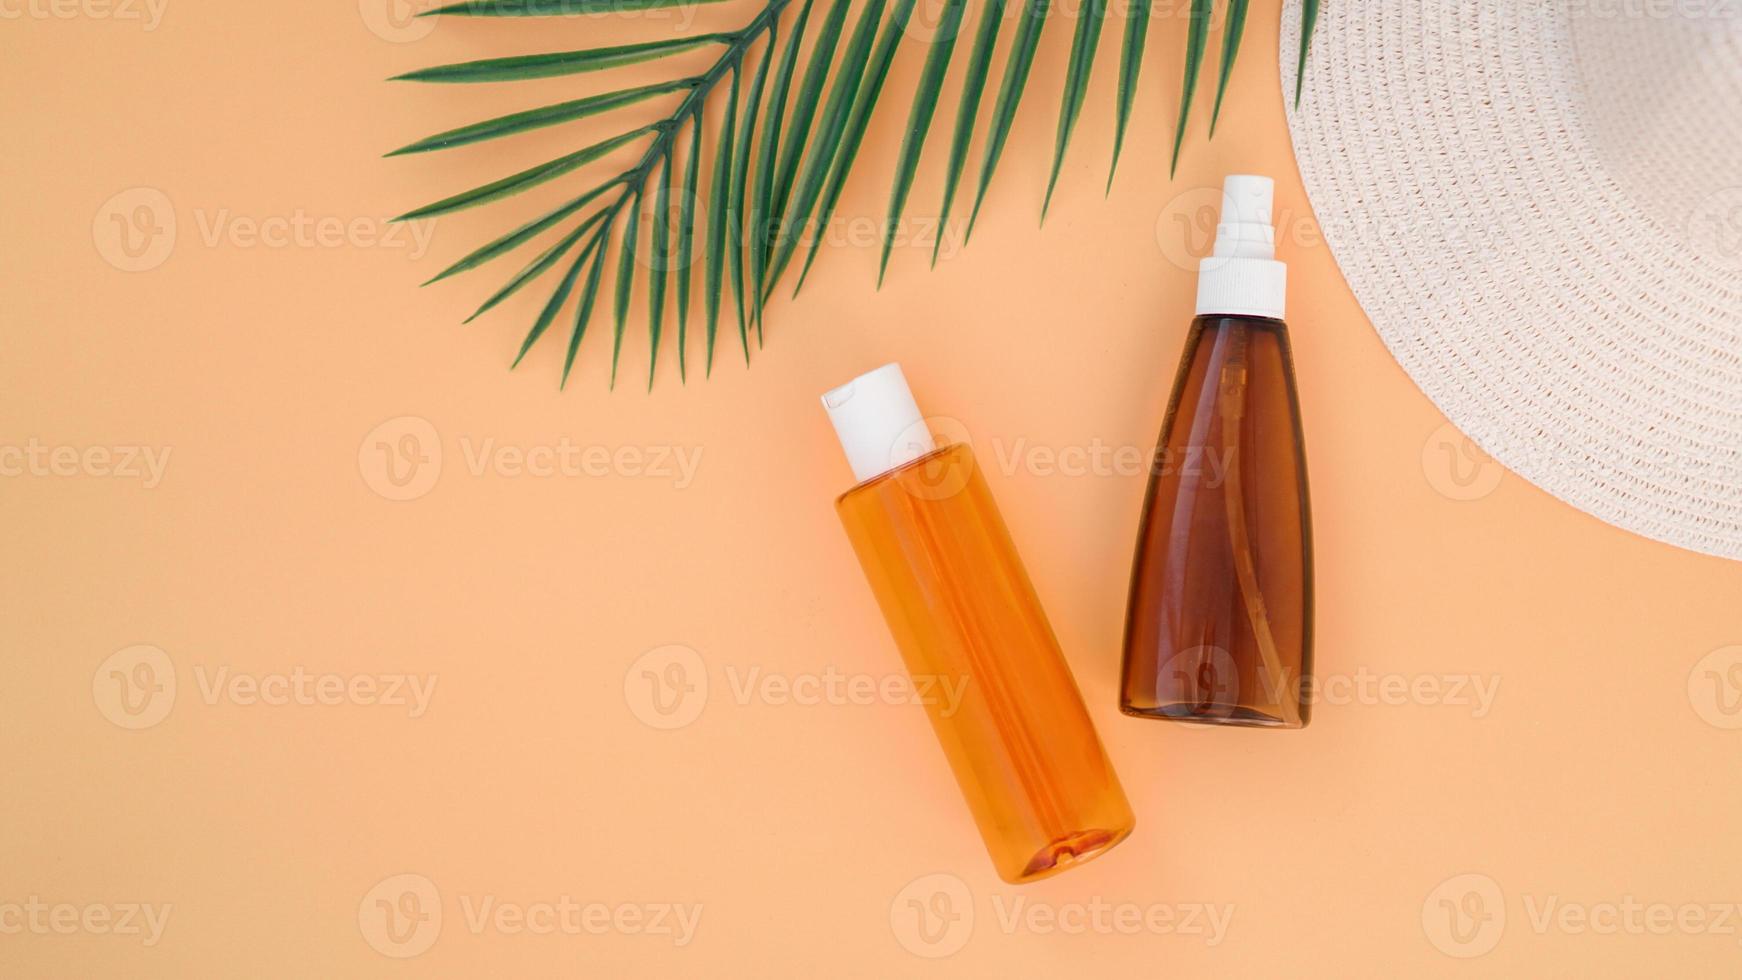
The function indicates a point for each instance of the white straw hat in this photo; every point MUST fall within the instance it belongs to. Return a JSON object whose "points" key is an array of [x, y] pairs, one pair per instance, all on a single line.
{"points": [[1539, 205]]}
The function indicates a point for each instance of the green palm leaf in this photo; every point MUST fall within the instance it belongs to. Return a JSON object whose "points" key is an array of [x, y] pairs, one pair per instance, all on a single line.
{"points": [[519, 236], [531, 177], [979, 63], [584, 311], [762, 201], [657, 254], [1028, 29], [536, 267], [822, 152], [1231, 32], [625, 281], [748, 296], [768, 189], [1197, 34], [550, 115], [1309, 17], [1130, 67], [524, 67], [555, 303], [925, 105], [1088, 36], [686, 238], [718, 219], [551, 8], [854, 134]]}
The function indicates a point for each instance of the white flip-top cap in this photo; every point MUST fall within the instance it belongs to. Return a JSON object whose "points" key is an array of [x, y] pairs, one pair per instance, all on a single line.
{"points": [[878, 422], [1242, 277]]}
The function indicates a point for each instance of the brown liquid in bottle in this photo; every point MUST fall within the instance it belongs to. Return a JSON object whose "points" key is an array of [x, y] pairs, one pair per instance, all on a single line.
{"points": [[1219, 627]]}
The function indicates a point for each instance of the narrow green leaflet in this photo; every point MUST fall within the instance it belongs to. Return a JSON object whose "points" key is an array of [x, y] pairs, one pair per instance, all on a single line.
{"points": [[658, 254], [1089, 20], [1197, 34], [1231, 31], [555, 303], [557, 63], [550, 115], [854, 134], [1130, 67], [521, 235], [551, 8], [719, 217], [531, 177], [822, 153], [747, 301], [1309, 18], [1028, 29], [536, 267], [686, 237], [973, 86], [804, 112], [625, 279], [584, 310], [761, 196], [925, 105]]}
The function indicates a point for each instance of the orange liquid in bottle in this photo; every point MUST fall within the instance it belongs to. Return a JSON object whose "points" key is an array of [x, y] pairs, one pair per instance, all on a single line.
{"points": [[966, 619]]}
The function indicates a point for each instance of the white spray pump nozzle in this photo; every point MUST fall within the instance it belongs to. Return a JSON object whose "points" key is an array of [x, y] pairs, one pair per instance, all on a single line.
{"points": [[1245, 229], [1242, 277]]}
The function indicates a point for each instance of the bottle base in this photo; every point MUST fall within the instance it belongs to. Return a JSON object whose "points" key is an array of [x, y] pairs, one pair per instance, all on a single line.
{"points": [[1199, 713], [1069, 851]]}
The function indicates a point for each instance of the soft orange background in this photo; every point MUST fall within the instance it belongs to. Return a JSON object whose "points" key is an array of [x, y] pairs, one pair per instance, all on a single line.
{"points": [[1602, 772]]}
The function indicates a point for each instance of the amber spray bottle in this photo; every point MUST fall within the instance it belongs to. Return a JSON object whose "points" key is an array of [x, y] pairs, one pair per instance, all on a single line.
{"points": [[1219, 626], [963, 613]]}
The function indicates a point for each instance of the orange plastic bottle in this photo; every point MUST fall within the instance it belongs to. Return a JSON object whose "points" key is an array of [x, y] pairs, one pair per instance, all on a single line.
{"points": [[962, 611]]}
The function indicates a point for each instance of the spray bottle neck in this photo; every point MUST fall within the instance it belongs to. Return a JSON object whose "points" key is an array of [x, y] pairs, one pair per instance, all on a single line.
{"points": [[1241, 277]]}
